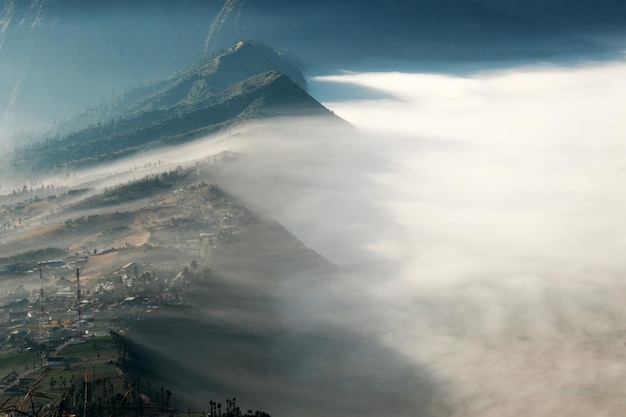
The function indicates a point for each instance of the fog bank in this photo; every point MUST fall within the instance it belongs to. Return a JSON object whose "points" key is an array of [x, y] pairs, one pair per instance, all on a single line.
{"points": [[506, 232], [478, 223]]}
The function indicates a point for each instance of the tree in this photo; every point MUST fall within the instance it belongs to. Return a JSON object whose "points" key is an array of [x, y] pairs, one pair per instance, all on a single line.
{"points": [[168, 394]]}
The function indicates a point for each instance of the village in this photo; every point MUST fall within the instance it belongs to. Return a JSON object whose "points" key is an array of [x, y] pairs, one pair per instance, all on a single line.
{"points": [[51, 306], [59, 306], [65, 331], [64, 308], [124, 265]]}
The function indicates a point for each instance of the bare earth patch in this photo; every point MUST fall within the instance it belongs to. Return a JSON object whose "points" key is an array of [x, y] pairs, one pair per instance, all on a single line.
{"points": [[138, 239], [96, 265]]}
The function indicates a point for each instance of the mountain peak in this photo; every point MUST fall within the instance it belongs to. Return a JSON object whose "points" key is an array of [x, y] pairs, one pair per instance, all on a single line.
{"points": [[275, 94], [239, 62], [247, 58], [191, 84], [239, 45], [243, 83]]}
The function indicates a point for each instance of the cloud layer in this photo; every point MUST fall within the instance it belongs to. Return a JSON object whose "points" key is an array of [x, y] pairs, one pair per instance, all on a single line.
{"points": [[519, 167], [500, 250], [478, 226]]}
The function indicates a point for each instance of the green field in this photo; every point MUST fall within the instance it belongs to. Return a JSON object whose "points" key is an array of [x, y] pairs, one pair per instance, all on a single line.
{"points": [[90, 367]]}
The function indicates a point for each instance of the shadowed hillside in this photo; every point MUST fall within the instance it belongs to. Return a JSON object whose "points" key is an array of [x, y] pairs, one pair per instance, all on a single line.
{"points": [[249, 319]]}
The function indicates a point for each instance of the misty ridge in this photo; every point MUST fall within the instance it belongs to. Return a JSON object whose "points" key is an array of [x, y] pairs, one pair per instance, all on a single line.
{"points": [[232, 280], [504, 231], [489, 275], [244, 82]]}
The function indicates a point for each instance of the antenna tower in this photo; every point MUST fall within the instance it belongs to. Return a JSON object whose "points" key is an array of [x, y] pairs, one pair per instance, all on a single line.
{"points": [[43, 334], [41, 312]]}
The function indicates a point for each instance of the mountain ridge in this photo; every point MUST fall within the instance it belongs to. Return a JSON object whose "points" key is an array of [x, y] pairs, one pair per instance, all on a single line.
{"points": [[195, 102], [211, 74]]}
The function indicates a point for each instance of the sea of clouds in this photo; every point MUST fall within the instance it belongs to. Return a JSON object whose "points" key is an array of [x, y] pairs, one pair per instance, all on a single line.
{"points": [[476, 221], [497, 234]]}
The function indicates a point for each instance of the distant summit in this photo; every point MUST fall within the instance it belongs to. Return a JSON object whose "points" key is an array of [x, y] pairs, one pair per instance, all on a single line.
{"points": [[245, 82], [240, 60], [192, 84]]}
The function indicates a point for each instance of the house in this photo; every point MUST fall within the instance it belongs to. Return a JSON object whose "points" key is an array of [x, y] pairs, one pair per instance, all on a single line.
{"points": [[19, 311], [19, 293], [132, 302], [132, 269], [55, 362], [209, 238], [63, 282], [18, 316], [14, 390], [67, 292], [26, 382], [18, 306]]}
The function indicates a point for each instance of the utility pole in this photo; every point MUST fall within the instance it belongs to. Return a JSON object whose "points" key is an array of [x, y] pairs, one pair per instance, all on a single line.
{"points": [[85, 394], [42, 335], [40, 305], [78, 305]]}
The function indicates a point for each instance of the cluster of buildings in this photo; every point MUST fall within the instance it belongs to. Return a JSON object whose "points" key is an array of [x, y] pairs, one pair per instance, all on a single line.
{"points": [[29, 317], [59, 309]]}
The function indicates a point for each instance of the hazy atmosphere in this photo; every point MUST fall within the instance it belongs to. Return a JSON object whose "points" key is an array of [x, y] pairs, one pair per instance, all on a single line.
{"points": [[478, 227], [418, 221], [504, 232]]}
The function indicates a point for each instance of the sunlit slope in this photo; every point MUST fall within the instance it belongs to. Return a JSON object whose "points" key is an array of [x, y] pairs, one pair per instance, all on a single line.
{"points": [[157, 220]]}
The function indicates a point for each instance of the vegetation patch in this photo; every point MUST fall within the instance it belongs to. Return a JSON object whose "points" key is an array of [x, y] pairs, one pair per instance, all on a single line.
{"points": [[34, 256], [136, 190]]}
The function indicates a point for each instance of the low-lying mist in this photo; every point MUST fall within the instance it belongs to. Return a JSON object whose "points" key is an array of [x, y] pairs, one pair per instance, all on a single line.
{"points": [[477, 222], [281, 328]]}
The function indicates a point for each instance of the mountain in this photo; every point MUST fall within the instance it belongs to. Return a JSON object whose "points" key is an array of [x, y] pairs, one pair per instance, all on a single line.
{"points": [[209, 76], [239, 84], [57, 55]]}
